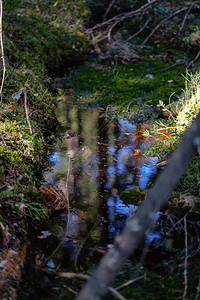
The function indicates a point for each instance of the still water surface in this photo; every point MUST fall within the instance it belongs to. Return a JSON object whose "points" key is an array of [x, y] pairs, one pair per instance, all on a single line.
{"points": [[92, 163]]}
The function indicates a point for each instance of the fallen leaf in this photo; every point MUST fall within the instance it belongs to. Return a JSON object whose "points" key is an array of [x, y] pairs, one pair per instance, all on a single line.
{"points": [[135, 153]]}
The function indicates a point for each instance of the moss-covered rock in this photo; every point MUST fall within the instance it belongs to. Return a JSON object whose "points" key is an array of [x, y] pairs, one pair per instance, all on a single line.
{"points": [[133, 196]]}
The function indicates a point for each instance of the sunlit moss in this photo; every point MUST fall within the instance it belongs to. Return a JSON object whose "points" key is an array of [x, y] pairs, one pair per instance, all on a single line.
{"points": [[121, 84]]}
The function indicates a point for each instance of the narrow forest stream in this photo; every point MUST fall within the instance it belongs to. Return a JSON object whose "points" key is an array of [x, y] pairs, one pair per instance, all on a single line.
{"points": [[93, 162]]}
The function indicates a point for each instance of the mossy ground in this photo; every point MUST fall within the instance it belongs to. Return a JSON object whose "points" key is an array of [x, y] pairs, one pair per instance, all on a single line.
{"points": [[39, 39], [120, 84]]}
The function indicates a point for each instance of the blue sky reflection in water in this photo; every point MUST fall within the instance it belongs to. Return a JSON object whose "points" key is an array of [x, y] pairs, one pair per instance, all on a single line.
{"points": [[93, 163]]}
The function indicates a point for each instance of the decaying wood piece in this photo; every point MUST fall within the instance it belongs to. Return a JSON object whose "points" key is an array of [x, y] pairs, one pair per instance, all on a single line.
{"points": [[53, 197], [137, 225]]}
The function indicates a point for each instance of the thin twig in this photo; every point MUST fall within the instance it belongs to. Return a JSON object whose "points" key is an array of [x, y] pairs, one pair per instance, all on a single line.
{"points": [[27, 110], [116, 293], [81, 245], [161, 23], [56, 249], [128, 15], [129, 282], [2, 49], [181, 62], [186, 260], [140, 30], [123, 16], [192, 61], [71, 290], [130, 104], [183, 23], [69, 275], [110, 30], [108, 9], [178, 223]]}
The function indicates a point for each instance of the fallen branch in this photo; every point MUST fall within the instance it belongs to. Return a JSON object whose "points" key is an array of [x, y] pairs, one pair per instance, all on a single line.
{"points": [[111, 23], [137, 225], [130, 282], [161, 23], [108, 9]]}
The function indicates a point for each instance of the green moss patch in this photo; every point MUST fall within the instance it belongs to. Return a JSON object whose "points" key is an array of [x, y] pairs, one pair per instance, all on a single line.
{"points": [[120, 84], [133, 196]]}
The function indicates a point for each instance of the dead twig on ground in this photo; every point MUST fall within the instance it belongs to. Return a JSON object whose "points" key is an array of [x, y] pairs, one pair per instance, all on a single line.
{"points": [[71, 290], [79, 276], [116, 293], [69, 275], [129, 282], [180, 62], [140, 30], [161, 23], [108, 9], [192, 61], [111, 23]]}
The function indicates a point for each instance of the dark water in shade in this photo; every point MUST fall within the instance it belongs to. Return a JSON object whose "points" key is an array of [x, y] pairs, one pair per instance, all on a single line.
{"points": [[93, 161]]}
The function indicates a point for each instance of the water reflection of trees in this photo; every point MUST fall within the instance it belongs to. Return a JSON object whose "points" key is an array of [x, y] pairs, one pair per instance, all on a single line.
{"points": [[98, 159]]}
